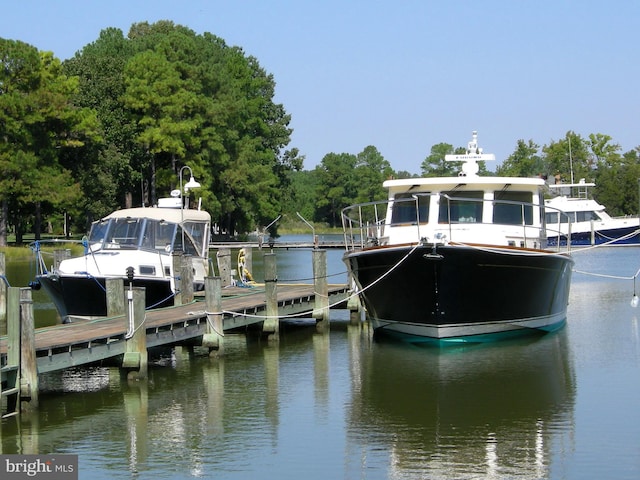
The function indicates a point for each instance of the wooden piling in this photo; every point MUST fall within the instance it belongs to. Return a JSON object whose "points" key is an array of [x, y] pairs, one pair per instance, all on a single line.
{"points": [[116, 304], [271, 322], [28, 364], [355, 309], [186, 279], [321, 289], [353, 303], [176, 267], [214, 336], [224, 266], [135, 357]]}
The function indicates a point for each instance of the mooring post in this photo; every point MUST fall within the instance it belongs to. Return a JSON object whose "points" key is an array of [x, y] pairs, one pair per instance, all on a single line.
{"points": [[271, 323], [214, 336], [321, 289], [355, 309], [224, 266], [135, 357], [28, 363], [353, 303], [4, 285], [176, 267], [116, 303], [186, 279]]}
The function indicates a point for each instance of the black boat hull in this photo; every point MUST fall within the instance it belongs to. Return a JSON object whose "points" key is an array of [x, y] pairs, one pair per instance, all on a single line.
{"points": [[85, 296], [461, 293]]}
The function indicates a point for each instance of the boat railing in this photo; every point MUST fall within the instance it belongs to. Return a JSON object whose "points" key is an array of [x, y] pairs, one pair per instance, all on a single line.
{"points": [[559, 232], [363, 224], [366, 225]]}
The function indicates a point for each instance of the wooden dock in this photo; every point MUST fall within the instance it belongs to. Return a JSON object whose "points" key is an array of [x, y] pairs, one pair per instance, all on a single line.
{"points": [[26, 352], [74, 344]]}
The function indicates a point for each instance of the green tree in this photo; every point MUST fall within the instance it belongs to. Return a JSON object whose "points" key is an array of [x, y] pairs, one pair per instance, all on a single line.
{"points": [[371, 170], [302, 194], [435, 165], [39, 124], [337, 186], [569, 159], [164, 106], [404, 174], [604, 152], [523, 162], [616, 176], [112, 171], [170, 98]]}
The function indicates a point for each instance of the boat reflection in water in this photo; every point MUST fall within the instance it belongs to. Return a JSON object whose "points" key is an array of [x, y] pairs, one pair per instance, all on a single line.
{"points": [[490, 411]]}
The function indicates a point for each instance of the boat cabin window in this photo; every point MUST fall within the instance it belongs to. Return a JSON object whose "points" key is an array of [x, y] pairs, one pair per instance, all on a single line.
{"points": [[510, 207], [158, 235], [462, 207], [98, 231], [124, 232], [571, 217], [404, 208], [198, 232]]}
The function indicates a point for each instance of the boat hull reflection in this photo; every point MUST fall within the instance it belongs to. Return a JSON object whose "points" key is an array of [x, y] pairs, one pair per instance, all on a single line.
{"points": [[485, 410]]}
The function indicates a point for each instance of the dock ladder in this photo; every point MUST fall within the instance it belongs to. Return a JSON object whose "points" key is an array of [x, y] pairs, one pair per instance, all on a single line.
{"points": [[10, 363], [10, 390]]}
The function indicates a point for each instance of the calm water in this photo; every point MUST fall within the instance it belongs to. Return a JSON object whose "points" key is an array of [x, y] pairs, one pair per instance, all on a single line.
{"points": [[340, 405]]}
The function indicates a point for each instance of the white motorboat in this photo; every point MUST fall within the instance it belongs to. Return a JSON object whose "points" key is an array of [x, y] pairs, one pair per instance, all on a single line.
{"points": [[144, 239], [571, 212]]}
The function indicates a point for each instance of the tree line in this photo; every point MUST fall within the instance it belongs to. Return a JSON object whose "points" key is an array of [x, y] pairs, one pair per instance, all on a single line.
{"points": [[114, 125]]}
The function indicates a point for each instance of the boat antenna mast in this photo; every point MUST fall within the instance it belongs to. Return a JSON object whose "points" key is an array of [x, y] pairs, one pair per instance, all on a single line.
{"points": [[570, 157], [471, 158]]}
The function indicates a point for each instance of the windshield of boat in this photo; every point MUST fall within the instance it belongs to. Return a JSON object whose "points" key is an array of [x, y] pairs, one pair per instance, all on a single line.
{"points": [[466, 208], [149, 234], [511, 207], [196, 238], [404, 208]]}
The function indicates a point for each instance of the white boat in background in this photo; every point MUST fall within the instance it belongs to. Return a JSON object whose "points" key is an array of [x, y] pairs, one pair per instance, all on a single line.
{"points": [[572, 212], [144, 239], [457, 259]]}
